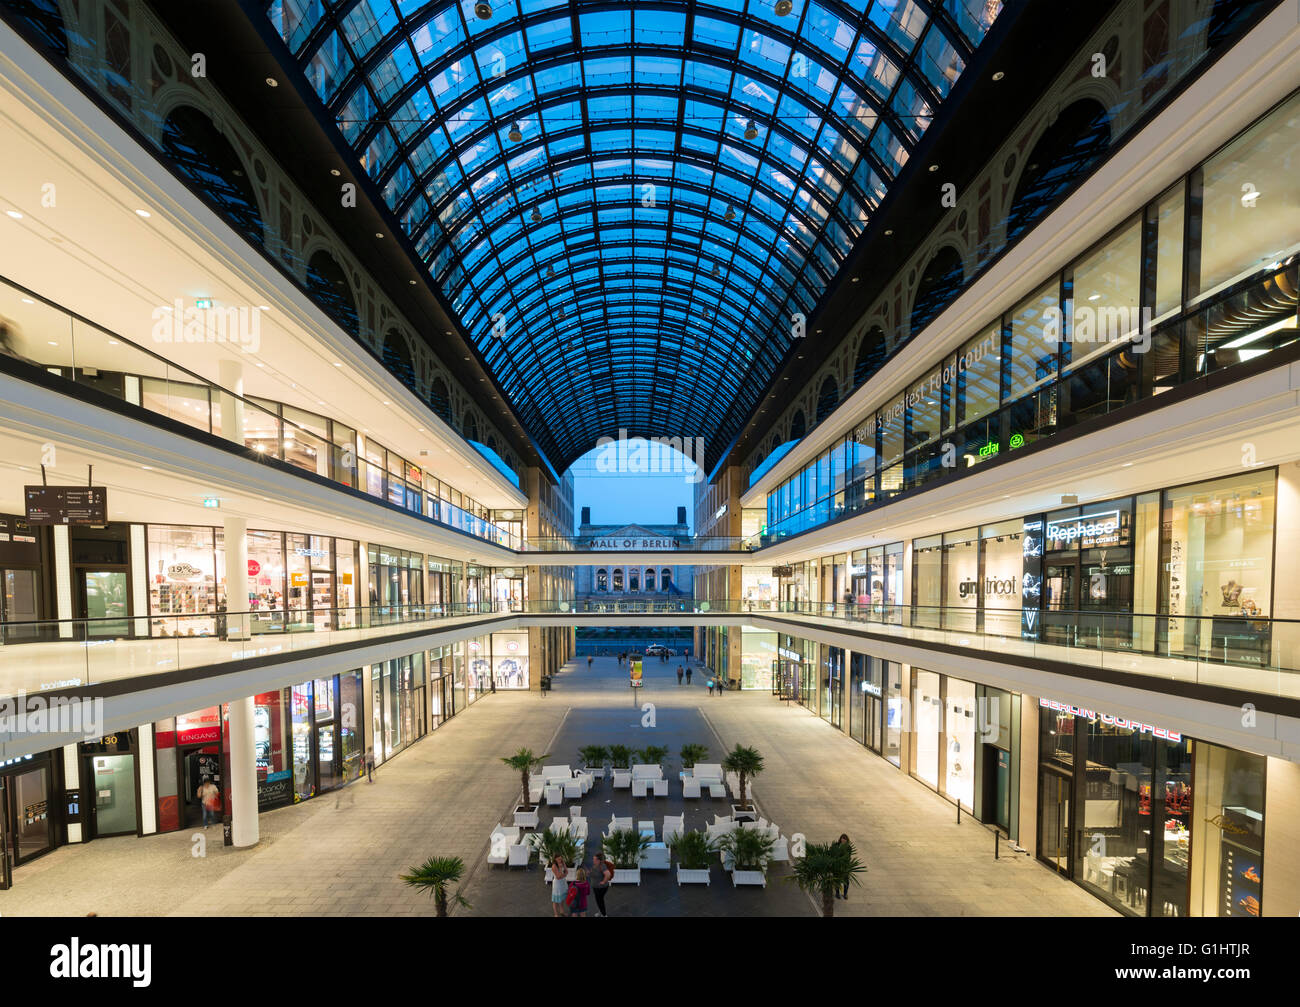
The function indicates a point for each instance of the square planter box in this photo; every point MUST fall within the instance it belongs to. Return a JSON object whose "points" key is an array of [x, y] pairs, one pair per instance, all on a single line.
{"points": [[739, 878], [740, 814], [692, 877], [526, 819], [627, 876], [572, 875], [597, 773]]}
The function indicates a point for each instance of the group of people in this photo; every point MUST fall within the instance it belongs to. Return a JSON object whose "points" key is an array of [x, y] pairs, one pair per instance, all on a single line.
{"points": [[713, 681], [570, 898]]}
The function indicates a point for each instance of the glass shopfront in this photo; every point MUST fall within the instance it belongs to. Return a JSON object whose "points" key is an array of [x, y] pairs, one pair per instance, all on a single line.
{"points": [[23, 590], [185, 592], [396, 577], [866, 700], [30, 813], [1151, 822], [398, 704], [757, 653], [876, 579], [510, 660], [832, 683]]}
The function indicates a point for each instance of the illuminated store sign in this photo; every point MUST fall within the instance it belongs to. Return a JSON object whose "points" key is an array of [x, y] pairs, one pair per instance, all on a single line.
{"points": [[632, 544], [1031, 577], [1101, 528], [1111, 721], [313, 553]]}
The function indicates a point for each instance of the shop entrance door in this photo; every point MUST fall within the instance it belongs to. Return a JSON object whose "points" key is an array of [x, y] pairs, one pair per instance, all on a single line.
{"points": [[1061, 600], [20, 604], [1054, 821], [27, 815], [105, 602], [196, 764], [112, 796]]}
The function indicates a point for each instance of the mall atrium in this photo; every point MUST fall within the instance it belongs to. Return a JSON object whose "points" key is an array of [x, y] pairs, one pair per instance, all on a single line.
{"points": [[970, 328]]}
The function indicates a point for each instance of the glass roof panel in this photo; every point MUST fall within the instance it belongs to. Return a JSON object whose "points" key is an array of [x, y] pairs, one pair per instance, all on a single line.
{"points": [[646, 191]]}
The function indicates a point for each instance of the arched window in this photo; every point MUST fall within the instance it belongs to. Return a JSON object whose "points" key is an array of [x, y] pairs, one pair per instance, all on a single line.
{"points": [[440, 399], [665, 579], [940, 283], [618, 580], [46, 20], [329, 288], [470, 427], [797, 426], [649, 579], [207, 159], [602, 580], [1060, 158], [634, 581], [871, 356], [827, 399], [397, 358]]}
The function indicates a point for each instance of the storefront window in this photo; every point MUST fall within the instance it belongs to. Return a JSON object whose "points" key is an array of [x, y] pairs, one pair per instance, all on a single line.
{"points": [[927, 580], [1218, 557], [894, 712], [1228, 872], [927, 716], [275, 780], [182, 580], [266, 577], [1166, 216], [959, 742], [1001, 561], [304, 768], [510, 660], [961, 559]]}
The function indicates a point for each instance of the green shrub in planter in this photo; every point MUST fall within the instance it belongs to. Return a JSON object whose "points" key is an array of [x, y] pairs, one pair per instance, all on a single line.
{"points": [[693, 753], [620, 756], [593, 755], [750, 849], [693, 849], [552, 844], [624, 847]]}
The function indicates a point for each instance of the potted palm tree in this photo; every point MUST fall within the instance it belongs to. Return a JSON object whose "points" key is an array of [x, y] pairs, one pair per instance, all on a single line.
{"points": [[749, 852], [746, 763], [653, 755], [824, 868], [620, 756], [434, 875], [692, 753], [624, 847], [692, 850], [524, 762], [552, 843], [593, 759]]}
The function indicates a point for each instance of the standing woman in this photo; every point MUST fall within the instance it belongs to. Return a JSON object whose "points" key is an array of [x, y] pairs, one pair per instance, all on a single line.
{"points": [[581, 889], [559, 884]]}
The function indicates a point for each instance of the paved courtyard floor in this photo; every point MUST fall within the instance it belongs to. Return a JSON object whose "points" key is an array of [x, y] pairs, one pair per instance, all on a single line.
{"points": [[340, 854]]}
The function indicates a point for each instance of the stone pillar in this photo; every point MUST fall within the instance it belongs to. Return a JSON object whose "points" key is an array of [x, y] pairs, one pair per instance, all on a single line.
{"points": [[236, 547], [243, 774], [230, 375]]}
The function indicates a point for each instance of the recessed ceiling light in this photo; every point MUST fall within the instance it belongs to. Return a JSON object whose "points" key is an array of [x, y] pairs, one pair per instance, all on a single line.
{"points": [[261, 365], [143, 213], [889, 231], [28, 300], [272, 82], [999, 75], [52, 342], [148, 468], [337, 364], [854, 280], [934, 167], [335, 172], [263, 307], [14, 213], [1126, 465], [387, 403], [411, 282], [379, 234]]}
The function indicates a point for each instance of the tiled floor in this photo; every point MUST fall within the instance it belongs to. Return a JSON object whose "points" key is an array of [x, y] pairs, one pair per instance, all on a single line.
{"points": [[342, 854]]}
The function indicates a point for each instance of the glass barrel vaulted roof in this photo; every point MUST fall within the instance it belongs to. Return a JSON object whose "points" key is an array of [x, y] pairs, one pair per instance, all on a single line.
{"points": [[626, 204]]}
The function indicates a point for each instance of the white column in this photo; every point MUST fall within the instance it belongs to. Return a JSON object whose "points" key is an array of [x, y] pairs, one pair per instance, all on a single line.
{"points": [[243, 774], [63, 579], [230, 374], [148, 781], [72, 780], [236, 545], [139, 581]]}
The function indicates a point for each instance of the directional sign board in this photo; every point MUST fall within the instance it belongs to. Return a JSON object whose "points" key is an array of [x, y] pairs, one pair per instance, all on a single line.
{"points": [[66, 504]]}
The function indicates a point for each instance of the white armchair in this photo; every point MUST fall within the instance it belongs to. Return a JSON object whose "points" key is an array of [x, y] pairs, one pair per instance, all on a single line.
{"points": [[660, 788], [622, 779], [781, 849], [639, 785], [690, 788], [674, 825], [578, 829], [616, 823], [519, 854], [573, 789], [554, 794]]}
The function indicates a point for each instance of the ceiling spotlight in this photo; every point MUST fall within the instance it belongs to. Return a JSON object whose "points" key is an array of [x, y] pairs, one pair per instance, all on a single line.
{"points": [[934, 167], [335, 172], [272, 82], [143, 213], [379, 234], [13, 213], [535, 216], [483, 10], [515, 134], [411, 282], [783, 7], [999, 75], [888, 231], [751, 131], [730, 214]]}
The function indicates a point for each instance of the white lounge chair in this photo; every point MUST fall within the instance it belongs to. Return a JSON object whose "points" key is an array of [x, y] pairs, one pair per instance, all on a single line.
{"points": [[639, 785], [616, 824], [520, 854], [690, 788], [554, 794], [660, 788], [646, 828], [674, 825], [781, 849], [499, 843], [575, 811], [622, 779], [573, 789], [717, 790]]}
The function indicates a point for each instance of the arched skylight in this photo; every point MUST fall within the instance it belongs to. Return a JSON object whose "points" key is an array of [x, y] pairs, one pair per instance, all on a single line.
{"points": [[625, 204]]}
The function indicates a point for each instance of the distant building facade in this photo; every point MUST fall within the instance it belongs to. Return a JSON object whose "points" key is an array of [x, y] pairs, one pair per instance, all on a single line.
{"points": [[640, 582]]}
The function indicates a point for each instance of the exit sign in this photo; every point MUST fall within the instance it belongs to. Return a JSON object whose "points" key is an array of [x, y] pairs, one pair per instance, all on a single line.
{"points": [[211, 502]]}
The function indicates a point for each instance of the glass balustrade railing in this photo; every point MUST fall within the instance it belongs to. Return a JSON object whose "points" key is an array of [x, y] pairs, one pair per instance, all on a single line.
{"points": [[43, 655]]}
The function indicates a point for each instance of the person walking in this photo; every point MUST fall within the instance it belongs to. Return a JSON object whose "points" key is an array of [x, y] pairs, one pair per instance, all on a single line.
{"points": [[604, 874], [842, 841], [581, 889], [559, 885], [370, 765], [710, 685], [588, 662], [688, 674], [679, 674], [210, 798]]}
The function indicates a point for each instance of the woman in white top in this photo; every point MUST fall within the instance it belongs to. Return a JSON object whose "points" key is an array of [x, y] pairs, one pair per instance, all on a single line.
{"points": [[559, 885]]}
